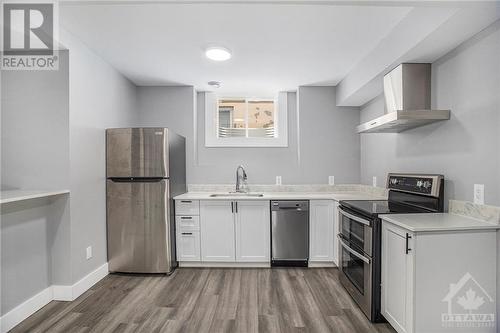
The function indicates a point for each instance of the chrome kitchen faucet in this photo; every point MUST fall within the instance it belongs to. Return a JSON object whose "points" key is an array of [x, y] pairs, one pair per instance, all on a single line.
{"points": [[241, 178]]}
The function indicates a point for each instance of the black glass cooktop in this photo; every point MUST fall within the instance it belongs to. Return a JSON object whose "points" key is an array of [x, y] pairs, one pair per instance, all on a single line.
{"points": [[375, 207]]}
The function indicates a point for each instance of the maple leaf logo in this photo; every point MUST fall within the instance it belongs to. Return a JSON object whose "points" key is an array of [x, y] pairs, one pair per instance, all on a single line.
{"points": [[470, 301]]}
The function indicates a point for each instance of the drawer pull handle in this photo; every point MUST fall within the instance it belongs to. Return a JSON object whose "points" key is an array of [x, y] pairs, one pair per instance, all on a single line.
{"points": [[186, 218], [187, 233], [186, 201]]}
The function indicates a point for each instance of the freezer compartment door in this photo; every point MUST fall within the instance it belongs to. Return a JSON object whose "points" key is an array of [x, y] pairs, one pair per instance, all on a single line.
{"points": [[137, 152], [139, 227]]}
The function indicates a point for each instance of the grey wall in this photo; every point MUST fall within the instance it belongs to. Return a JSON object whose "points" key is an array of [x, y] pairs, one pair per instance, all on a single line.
{"points": [[100, 97], [34, 243], [35, 131], [321, 139], [171, 107], [35, 155], [466, 149], [329, 144]]}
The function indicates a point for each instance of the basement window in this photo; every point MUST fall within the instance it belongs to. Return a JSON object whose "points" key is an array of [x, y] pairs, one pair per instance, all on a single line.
{"points": [[245, 122]]}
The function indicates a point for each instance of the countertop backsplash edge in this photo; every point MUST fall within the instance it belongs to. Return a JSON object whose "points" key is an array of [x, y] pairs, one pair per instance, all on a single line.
{"points": [[310, 188], [481, 212]]}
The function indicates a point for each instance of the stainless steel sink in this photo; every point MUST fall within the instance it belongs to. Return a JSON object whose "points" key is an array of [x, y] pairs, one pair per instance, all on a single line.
{"points": [[235, 194]]}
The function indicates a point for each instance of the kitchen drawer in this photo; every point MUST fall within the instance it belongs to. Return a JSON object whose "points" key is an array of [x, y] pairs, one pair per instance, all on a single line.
{"points": [[188, 246], [187, 222], [187, 207]]}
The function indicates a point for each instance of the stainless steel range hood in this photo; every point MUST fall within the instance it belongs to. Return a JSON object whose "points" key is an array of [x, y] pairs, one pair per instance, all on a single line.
{"points": [[407, 92]]}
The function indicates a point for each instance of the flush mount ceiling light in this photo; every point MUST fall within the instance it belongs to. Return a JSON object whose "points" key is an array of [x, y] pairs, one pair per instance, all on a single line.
{"points": [[218, 53]]}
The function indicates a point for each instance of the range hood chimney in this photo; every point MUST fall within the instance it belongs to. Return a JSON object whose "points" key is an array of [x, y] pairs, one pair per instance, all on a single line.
{"points": [[407, 93]]}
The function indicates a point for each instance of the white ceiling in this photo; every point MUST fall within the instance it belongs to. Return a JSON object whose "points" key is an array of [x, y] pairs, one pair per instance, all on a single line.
{"points": [[276, 46]]}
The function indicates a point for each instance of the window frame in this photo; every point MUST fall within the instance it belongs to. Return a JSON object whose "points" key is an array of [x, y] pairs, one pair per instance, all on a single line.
{"points": [[212, 119]]}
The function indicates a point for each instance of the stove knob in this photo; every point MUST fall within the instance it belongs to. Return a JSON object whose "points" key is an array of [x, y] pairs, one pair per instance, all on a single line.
{"points": [[394, 181], [427, 184], [420, 183]]}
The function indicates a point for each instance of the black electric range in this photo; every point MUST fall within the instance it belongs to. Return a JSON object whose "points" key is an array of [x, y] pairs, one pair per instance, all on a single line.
{"points": [[360, 233]]}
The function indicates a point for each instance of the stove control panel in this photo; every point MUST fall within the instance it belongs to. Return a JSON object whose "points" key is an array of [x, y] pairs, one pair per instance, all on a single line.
{"points": [[422, 184]]}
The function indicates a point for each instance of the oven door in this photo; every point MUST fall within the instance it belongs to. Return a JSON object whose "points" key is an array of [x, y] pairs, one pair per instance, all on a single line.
{"points": [[356, 230], [356, 275]]}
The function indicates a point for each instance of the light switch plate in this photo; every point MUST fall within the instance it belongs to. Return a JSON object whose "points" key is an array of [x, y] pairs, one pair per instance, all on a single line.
{"points": [[89, 252], [479, 194], [278, 180], [374, 181], [331, 180]]}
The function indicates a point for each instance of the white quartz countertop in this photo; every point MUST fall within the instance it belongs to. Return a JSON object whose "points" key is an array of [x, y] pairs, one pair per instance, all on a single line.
{"points": [[20, 195], [437, 222], [284, 196]]}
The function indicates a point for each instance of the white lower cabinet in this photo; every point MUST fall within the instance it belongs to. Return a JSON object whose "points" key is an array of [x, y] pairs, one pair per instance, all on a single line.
{"points": [[235, 231], [252, 231], [432, 280], [217, 231], [188, 246], [321, 230]]}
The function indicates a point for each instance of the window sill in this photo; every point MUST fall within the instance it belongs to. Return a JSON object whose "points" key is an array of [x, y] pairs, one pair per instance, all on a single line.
{"points": [[247, 143]]}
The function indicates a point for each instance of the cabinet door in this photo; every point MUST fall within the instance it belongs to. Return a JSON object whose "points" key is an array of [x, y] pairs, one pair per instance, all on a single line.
{"points": [[397, 279], [188, 246], [321, 230], [217, 231], [252, 231]]}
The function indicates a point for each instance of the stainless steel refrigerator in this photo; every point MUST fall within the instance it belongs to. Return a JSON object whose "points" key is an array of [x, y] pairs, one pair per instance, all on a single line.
{"points": [[145, 169]]}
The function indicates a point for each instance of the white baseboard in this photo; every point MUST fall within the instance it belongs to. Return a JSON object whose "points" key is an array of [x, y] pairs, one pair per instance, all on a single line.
{"points": [[25, 309], [62, 293], [83, 284], [52, 293], [318, 264]]}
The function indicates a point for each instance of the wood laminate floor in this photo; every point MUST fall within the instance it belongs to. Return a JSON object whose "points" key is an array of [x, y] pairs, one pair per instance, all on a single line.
{"points": [[210, 300]]}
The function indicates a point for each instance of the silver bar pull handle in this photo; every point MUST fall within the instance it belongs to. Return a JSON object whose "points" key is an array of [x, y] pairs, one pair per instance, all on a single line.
{"points": [[353, 252], [354, 217]]}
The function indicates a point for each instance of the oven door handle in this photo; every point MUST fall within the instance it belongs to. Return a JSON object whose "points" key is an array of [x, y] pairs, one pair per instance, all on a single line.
{"points": [[354, 217], [353, 252]]}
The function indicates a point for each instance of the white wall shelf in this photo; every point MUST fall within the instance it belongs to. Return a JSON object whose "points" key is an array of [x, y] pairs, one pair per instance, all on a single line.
{"points": [[20, 195]]}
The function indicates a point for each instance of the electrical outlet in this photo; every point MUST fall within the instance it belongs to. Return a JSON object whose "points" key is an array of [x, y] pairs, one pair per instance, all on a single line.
{"points": [[374, 181], [89, 252], [278, 180], [479, 194], [331, 180]]}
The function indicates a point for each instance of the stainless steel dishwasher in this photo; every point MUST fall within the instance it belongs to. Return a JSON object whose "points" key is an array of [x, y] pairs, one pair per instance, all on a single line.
{"points": [[289, 233]]}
